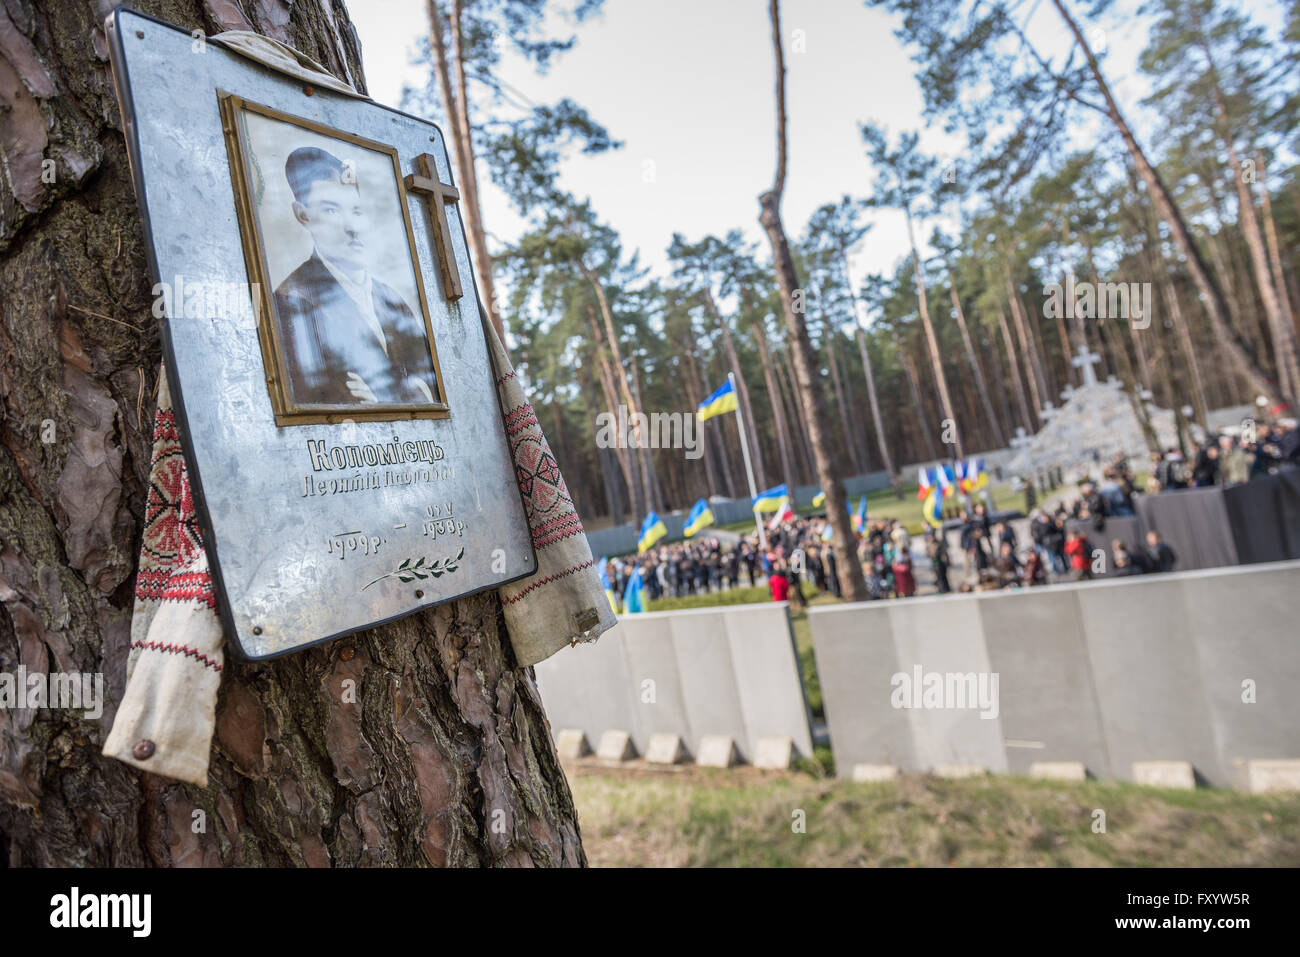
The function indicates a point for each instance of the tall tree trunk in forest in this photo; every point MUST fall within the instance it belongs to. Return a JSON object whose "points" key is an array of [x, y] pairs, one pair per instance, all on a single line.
{"points": [[626, 458], [999, 438], [1111, 335], [872, 397], [746, 407], [641, 452], [857, 431], [650, 472], [606, 459], [447, 731], [779, 422], [1274, 248], [1184, 334], [695, 393], [1228, 339], [1000, 380], [922, 416], [455, 102], [1023, 400], [850, 447], [852, 585], [806, 464], [881, 440], [936, 357], [1033, 368], [1280, 328]]}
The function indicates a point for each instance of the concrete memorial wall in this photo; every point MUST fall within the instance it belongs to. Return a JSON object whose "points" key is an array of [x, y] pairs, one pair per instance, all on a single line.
{"points": [[1198, 667], [729, 670]]}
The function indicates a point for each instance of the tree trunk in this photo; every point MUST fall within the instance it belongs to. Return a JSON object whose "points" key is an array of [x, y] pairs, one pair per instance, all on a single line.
{"points": [[1275, 249], [852, 584], [746, 407], [455, 101], [850, 448], [447, 732], [1229, 341], [922, 416], [1016, 381], [779, 423], [936, 358], [998, 438], [642, 442]]}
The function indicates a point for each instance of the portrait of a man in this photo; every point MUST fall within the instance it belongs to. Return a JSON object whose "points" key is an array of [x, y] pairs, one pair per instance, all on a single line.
{"points": [[333, 243], [349, 337]]}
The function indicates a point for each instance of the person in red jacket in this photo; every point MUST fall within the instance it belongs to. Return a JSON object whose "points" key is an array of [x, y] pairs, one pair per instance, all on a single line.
{"points": [[1076, 550], [779, 583]]}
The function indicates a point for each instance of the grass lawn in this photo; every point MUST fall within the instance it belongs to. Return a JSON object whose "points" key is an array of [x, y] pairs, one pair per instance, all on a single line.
{"points": [[701, 817]]}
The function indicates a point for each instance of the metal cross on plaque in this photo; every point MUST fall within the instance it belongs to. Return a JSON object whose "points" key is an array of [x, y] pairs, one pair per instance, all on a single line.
{"points": [[438, 196]]}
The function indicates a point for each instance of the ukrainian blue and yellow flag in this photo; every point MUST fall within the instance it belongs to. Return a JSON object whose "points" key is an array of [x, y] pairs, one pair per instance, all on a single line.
{"points": [[603, 565], [721, 402], [770, 500], [932, 508], [633, 594], [860, 519], [652, 529], [819, 499], [700, 516], [981, 476]]}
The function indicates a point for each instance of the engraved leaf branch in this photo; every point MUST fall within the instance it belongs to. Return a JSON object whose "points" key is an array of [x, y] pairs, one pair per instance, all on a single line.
{"points": [[411, 570]]}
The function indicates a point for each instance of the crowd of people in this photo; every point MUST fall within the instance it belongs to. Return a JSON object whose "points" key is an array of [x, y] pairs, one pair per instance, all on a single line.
{"points": [[798, 556]]}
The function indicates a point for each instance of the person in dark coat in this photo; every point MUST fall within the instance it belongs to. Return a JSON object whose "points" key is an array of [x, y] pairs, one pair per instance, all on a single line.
{"points": [[1160, 557], [348, 338]]}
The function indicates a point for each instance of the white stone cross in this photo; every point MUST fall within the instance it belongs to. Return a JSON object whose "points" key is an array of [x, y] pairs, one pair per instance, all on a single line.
{"points": [[1146, 395], [1067, 393], [1049, 411], [1085, 360], [1022, 439], [1113, 382]]}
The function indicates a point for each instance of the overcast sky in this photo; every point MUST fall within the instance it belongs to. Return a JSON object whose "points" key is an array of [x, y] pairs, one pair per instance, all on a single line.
{"points": [[687, 85]]}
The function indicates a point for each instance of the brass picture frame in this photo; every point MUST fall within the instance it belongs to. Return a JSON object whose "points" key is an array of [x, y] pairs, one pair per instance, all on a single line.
{"points": [[287, 408]]}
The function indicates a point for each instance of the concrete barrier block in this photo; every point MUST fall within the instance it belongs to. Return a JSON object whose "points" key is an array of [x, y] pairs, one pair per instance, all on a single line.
{"points": [[616, 746], [775, 753], [571, 744], [1164, 774], [1059, 770], [665, 749], [960, 771], [875, 772], [716, 751], [1264, 775]]}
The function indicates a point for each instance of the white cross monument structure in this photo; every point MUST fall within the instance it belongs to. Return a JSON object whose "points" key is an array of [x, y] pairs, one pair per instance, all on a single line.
{"points": [[1084, 361]]}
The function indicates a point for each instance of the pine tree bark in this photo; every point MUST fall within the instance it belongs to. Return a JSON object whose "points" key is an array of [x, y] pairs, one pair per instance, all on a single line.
{"points": [[446, 731]]}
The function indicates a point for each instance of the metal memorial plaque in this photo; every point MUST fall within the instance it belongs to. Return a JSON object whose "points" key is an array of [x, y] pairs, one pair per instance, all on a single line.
{"points": [[325, 353]]}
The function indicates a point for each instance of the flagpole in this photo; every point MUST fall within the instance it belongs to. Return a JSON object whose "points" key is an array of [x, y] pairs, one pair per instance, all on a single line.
{"points": [[749, 467]]}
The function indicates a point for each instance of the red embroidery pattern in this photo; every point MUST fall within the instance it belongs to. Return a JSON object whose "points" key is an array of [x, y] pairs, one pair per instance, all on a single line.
{"points": [[172, 539], [177, 650], [549, 578], [547, 503]]}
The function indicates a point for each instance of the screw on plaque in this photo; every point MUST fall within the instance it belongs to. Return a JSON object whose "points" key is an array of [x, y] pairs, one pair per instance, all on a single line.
{"points": [[419, 593], [308, 90], [347, 653], [257, 629], [143, 749]]}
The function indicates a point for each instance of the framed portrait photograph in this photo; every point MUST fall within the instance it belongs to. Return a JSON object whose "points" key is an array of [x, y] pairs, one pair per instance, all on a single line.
{"points": [[343, 319]]}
